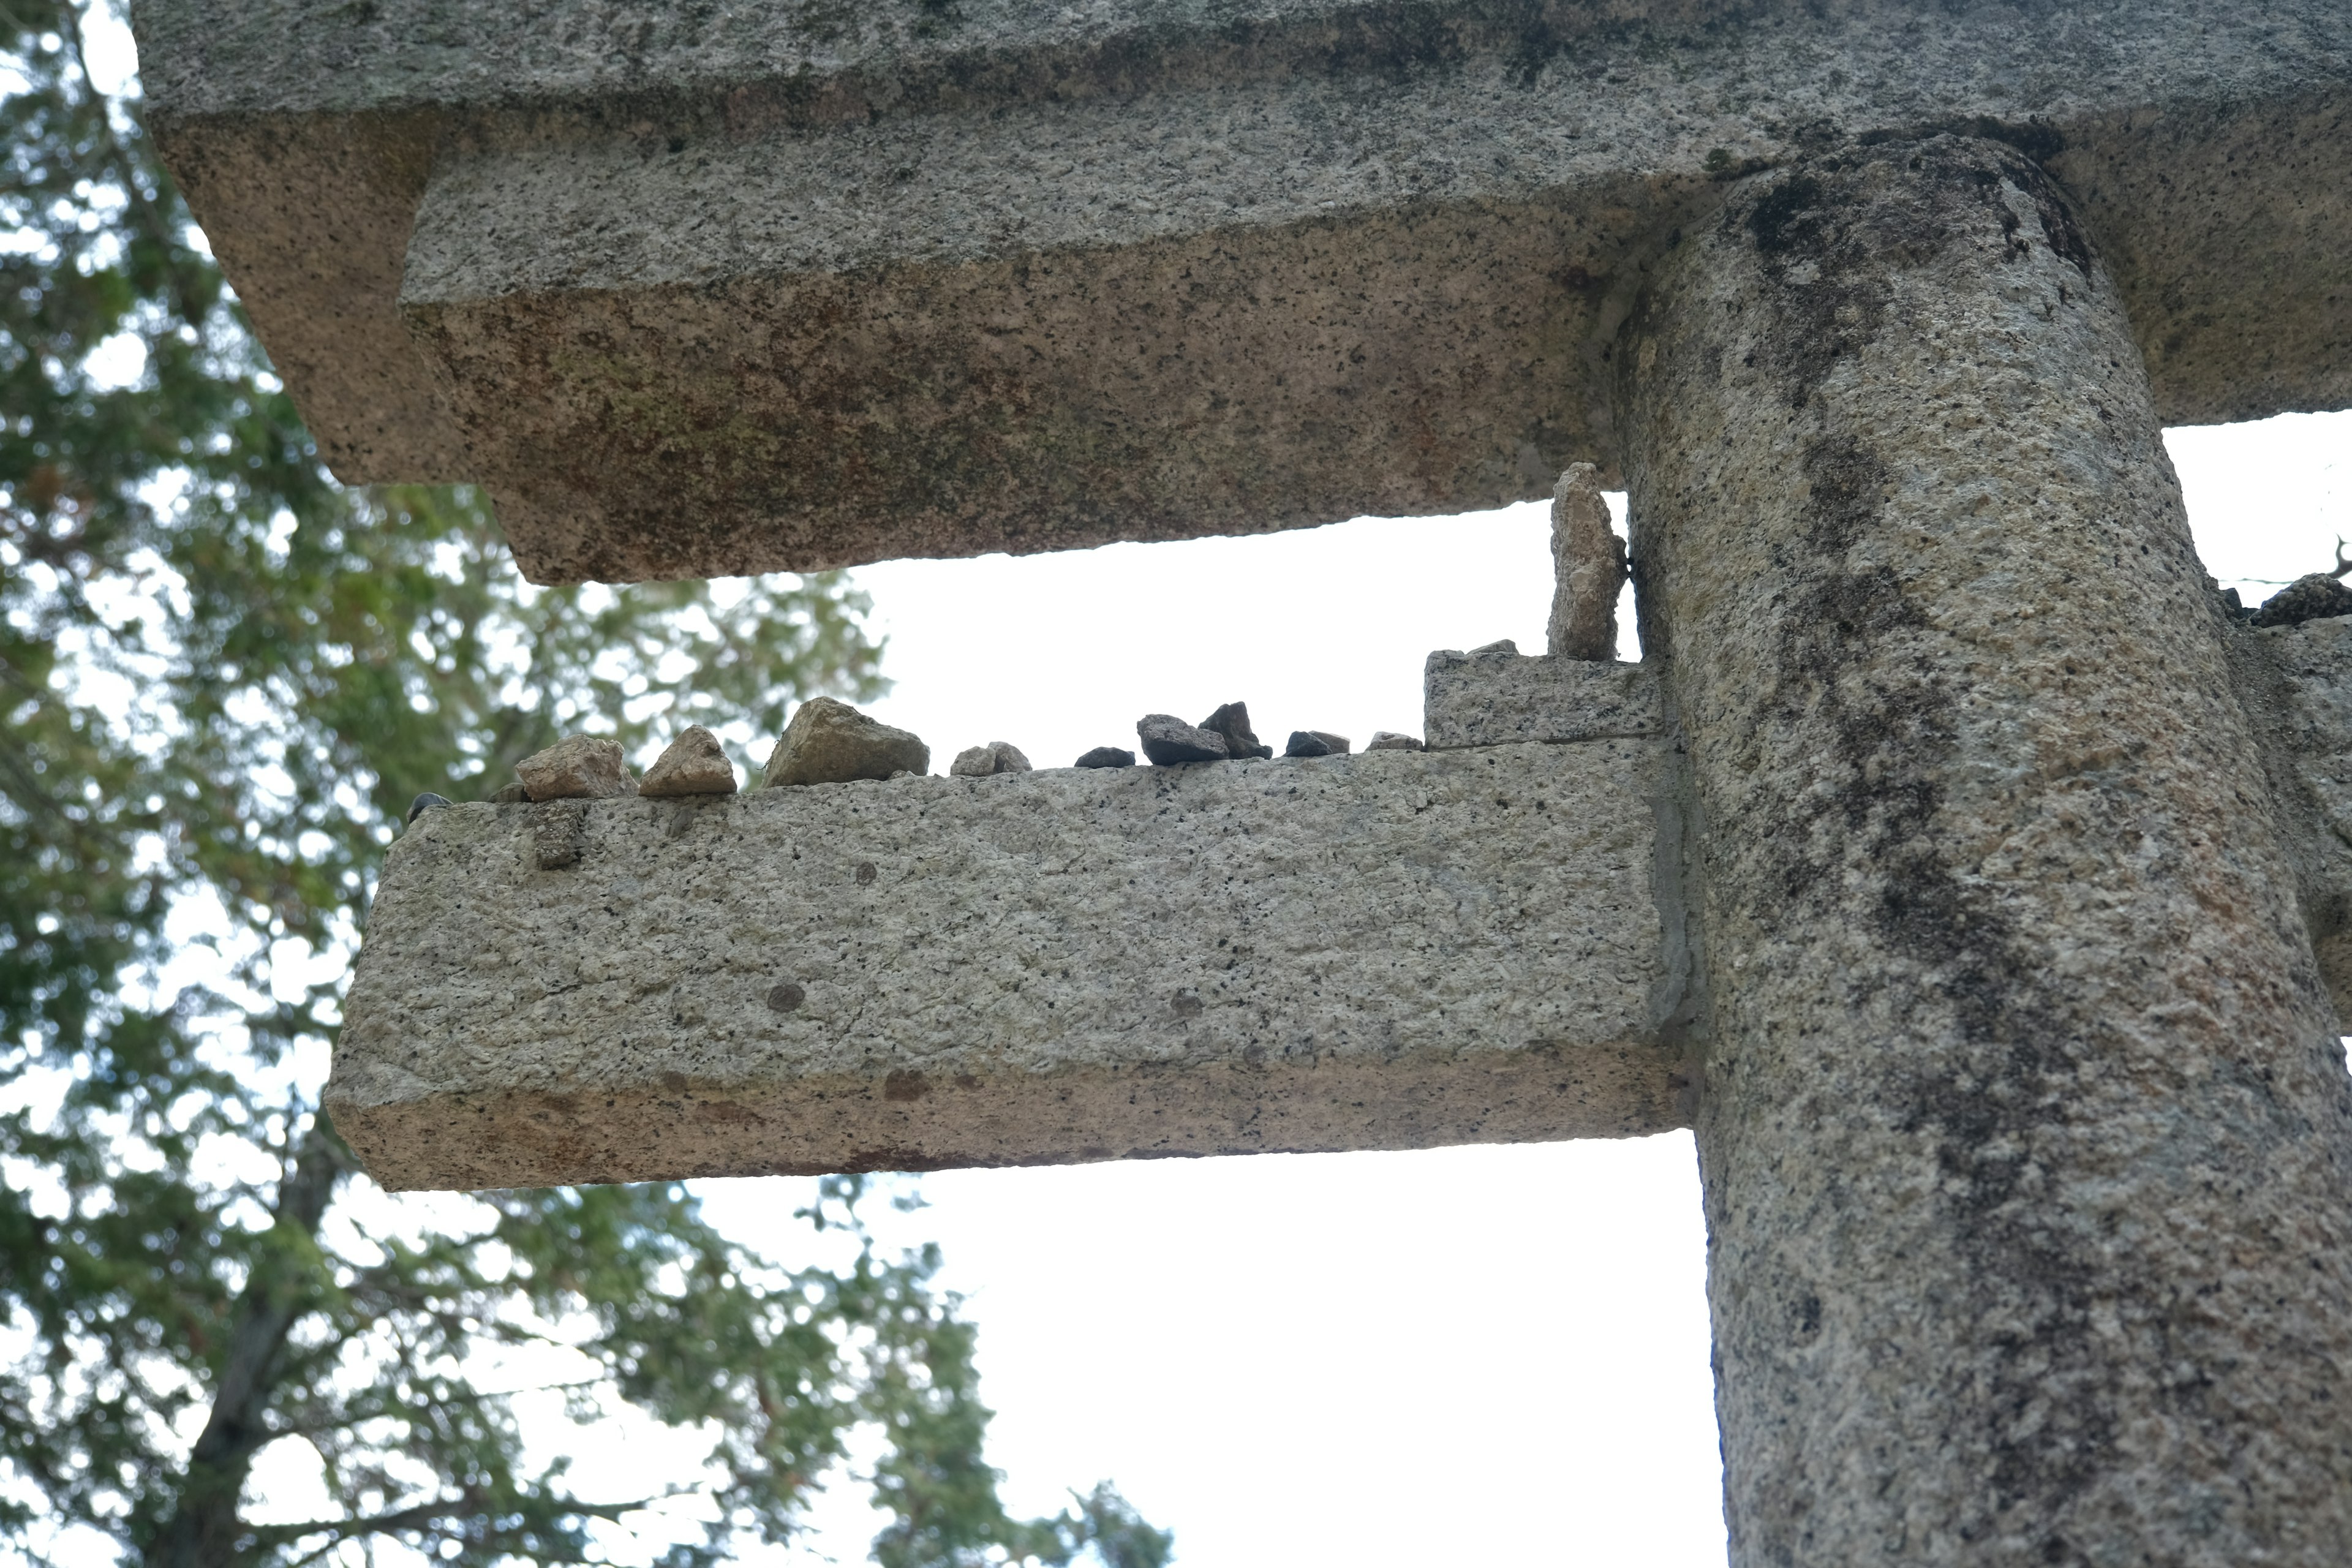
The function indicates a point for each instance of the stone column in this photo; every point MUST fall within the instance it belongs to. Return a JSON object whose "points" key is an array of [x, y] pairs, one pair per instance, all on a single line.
{"points": [[2027, 1142]]}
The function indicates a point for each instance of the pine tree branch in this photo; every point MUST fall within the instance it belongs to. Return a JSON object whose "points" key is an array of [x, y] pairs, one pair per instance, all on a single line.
{"points": [[416, 1516], [204, 1529]]}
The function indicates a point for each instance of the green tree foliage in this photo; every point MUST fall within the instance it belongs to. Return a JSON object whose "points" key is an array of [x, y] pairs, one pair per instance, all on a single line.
{"points": [[223, 677]]}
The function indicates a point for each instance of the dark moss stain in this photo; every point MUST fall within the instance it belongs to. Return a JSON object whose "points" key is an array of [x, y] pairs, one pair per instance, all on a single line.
{"points": [[1864, 677], [2059, 226], [1832, 316], [1773, 221], [1817, 217]]}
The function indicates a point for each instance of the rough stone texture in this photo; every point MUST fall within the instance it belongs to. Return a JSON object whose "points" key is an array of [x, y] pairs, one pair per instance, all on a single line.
{"points": [[1231, 721], [1389, 741], [2296, 683], [577, 767], [981, 762], [694, 763], [1588, 569], [1107, 757], [2026, 1140], [825, 284], [2307, 598], [1488, 699], [1374, 953], [559, 831], [509, 794], [1168, 740], [828, 741]]}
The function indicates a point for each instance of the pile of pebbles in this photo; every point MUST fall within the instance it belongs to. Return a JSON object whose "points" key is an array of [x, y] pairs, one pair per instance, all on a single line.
{"points": [[1226, 736], [829, 741]]}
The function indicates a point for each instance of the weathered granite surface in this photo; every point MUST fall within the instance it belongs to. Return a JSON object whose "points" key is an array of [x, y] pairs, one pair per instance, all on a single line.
{"points": [[1383, 952], [1494, 698], [820, 284], [2296, 684], [2025, 1133]]}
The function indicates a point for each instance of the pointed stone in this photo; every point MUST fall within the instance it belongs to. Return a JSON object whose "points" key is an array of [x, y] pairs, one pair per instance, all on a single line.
{"points": [[692, 765], [829, 741], [1233, 721], [577, 767], [1588, 567]]}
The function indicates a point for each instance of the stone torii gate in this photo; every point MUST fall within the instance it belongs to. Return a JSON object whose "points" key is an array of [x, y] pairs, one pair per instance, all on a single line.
{"points": [[1965, 877]]}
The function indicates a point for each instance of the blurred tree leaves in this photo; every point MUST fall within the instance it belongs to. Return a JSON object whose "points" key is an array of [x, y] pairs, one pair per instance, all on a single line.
{"points": [[223, 677]]}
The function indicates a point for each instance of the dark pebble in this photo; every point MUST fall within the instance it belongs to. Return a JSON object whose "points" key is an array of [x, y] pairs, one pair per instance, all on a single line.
{"points": [[1233, 722], [1167, 740], [1107, 757], [2311, 598], [425, 802], [1316, 743]]}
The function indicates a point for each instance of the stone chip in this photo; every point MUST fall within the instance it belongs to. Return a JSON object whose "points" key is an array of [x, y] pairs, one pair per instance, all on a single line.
{"points": [[981, 762], [1389, 741], [1107, 757], [577, 767], [692, 765], [829, 741]]}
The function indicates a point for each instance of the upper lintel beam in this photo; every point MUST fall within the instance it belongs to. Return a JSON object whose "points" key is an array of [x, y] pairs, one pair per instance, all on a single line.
{"points": [[1019, 276]]}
